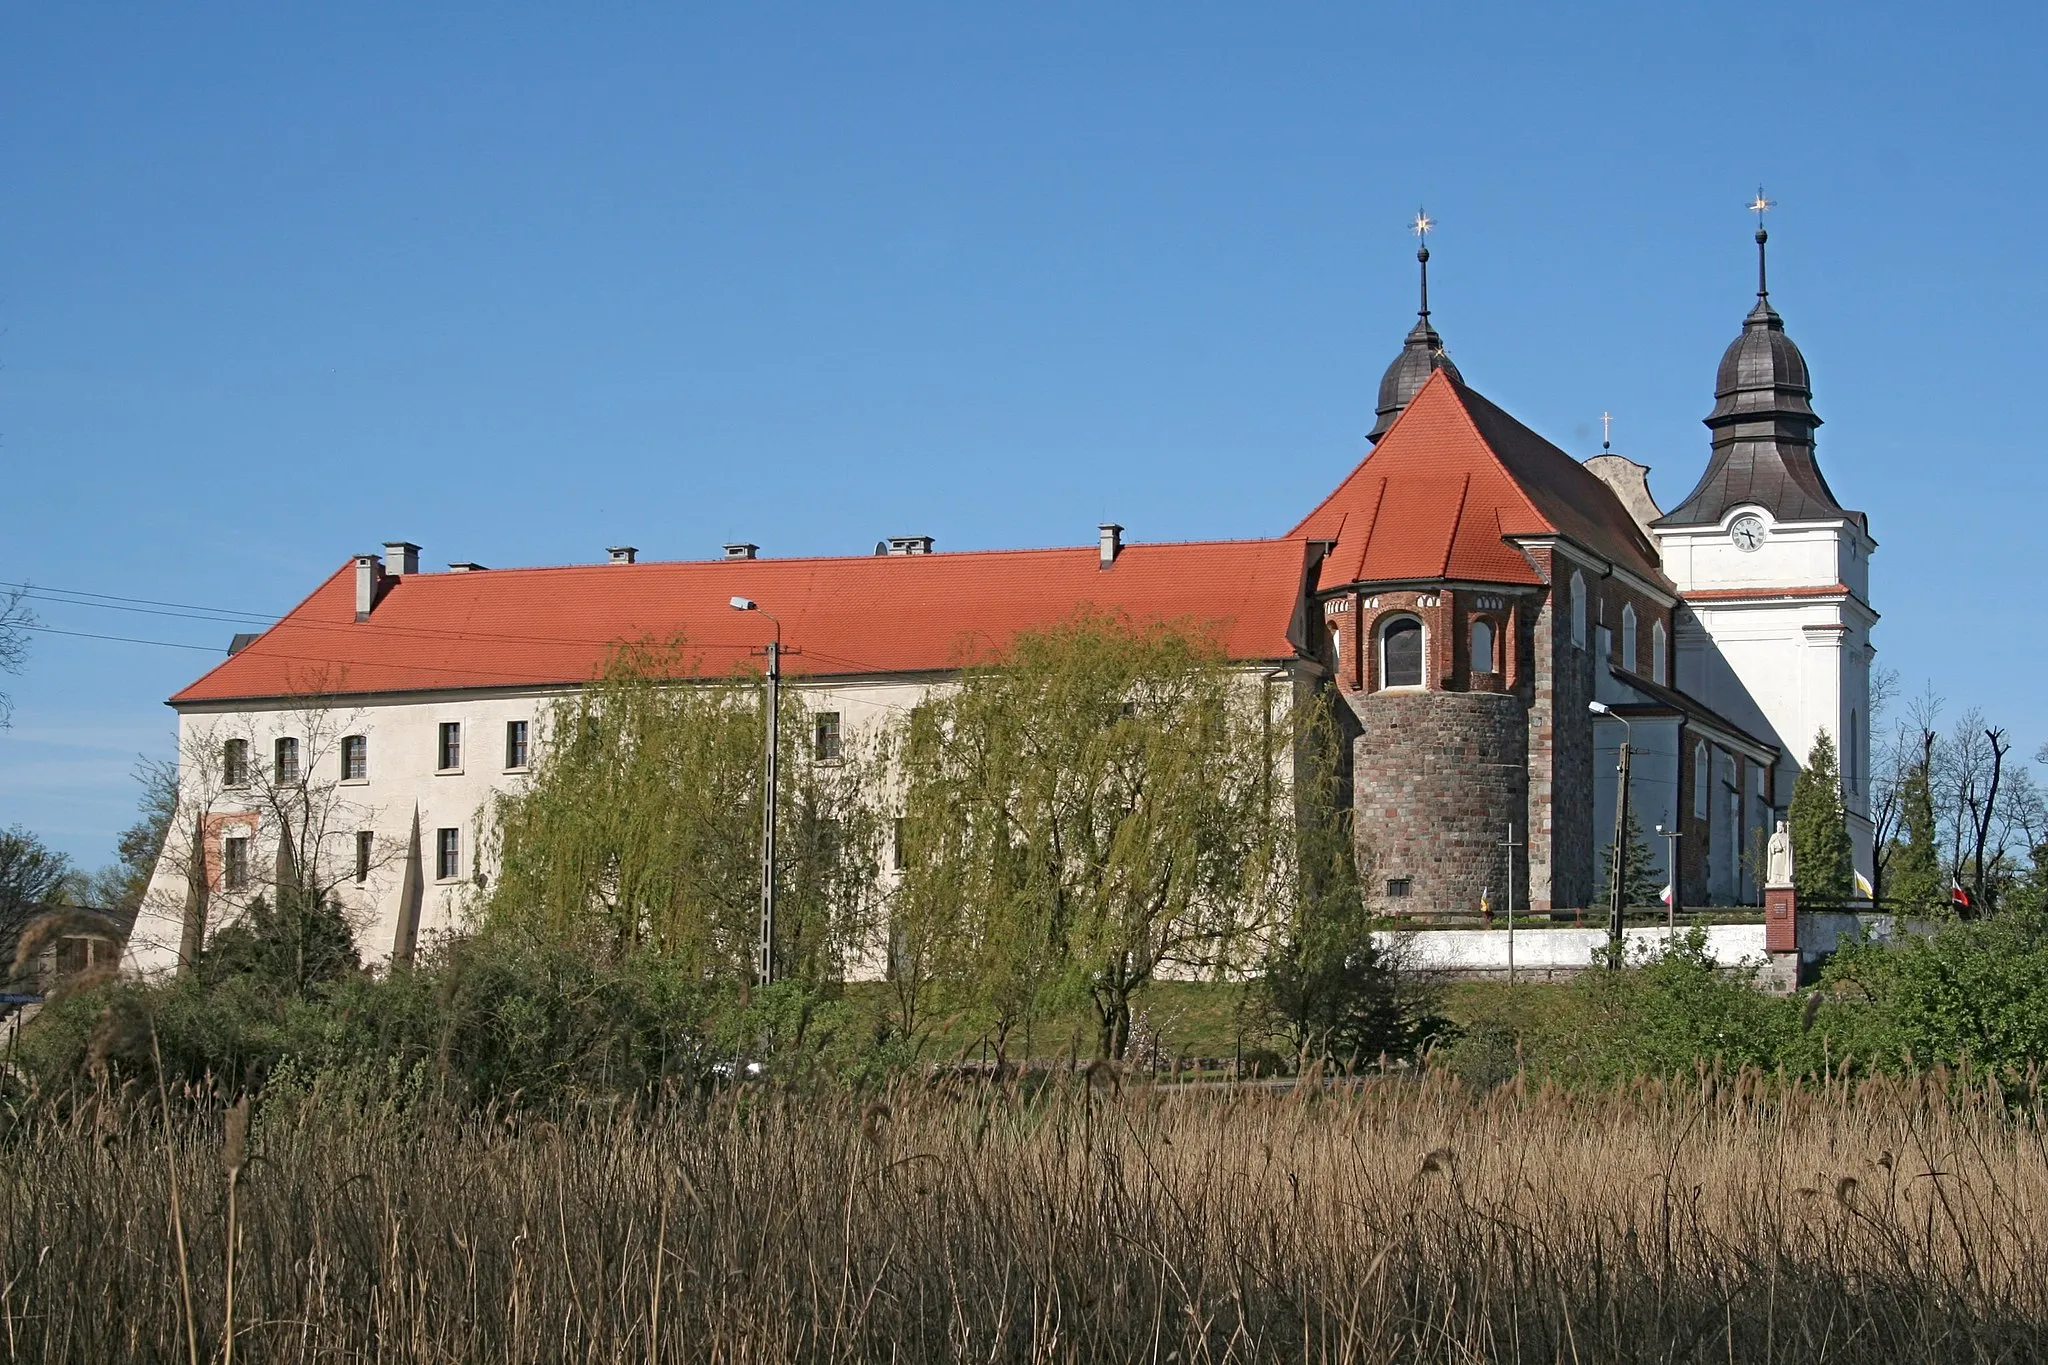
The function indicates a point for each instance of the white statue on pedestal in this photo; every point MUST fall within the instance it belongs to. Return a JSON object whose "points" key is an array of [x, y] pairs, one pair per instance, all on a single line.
{"points": [[1780, 857]]}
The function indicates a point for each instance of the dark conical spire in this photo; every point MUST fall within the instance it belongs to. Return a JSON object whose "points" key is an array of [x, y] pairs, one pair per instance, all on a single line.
{"points": [[1422, 352], [1763, 422]]}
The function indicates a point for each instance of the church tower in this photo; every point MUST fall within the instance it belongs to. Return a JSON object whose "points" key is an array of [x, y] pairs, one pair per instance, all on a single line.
{"points": [[1774, 573]]}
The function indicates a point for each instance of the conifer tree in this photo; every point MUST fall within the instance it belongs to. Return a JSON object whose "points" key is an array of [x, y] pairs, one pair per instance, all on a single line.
{"points": [[1915, 864], [1640, 884], [1822, 870]]}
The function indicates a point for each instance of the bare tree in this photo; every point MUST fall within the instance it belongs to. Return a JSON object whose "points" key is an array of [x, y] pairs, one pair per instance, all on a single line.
{"points": [[16, 620]]}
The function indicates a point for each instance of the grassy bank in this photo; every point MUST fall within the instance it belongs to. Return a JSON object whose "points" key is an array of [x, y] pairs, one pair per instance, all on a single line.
{"points": [[1725, 1219]]}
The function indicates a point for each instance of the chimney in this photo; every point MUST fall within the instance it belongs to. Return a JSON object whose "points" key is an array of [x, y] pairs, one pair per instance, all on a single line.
{"points": [[401, 557], [623, 554], [910, 545], [465, 566], [1112, 542], [741, 549], [369, 582]]}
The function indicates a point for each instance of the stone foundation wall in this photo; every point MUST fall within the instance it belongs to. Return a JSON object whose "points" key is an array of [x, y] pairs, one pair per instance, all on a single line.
{"points": [[1437, 778]]}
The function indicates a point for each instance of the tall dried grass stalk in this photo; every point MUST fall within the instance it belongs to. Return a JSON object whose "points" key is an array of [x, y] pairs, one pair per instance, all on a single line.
{"points": [[1733, 1218]]}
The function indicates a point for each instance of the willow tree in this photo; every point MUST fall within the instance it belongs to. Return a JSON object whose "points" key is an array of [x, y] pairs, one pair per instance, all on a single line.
{"points": [[640, 830], [1094, 809]]}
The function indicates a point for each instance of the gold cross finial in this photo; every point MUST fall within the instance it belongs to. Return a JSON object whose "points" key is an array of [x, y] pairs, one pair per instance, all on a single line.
{"points": [[1422, 224], [1606, 429], [1760, 205]]}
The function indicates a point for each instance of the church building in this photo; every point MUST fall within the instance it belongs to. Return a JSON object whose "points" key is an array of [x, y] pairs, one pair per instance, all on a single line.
{"points": [[1495, 615]]}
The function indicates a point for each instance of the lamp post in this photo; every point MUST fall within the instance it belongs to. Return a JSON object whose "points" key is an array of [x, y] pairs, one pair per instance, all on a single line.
{"points": [[1671, 838], [764, 966], [1615, 889]]}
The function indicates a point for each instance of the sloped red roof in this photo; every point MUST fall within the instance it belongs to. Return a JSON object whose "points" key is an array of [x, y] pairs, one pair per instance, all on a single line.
{"points": [[1452, 479], [870, 614]]}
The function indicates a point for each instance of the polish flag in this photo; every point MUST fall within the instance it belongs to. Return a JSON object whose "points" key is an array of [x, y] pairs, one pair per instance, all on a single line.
{"points": [[1665, 894], [1958, 897]]}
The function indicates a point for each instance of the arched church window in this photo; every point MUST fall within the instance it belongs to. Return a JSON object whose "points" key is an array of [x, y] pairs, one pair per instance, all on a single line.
{"points": [[1482, 647], [1660, 670], [1337, 651], [1628, 638], [1699, 780], [1578, 609], [1401, 653]]}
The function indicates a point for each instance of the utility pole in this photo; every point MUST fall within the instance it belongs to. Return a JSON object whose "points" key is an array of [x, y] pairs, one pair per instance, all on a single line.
{"points": [[1616, 892], [1510, 845]]}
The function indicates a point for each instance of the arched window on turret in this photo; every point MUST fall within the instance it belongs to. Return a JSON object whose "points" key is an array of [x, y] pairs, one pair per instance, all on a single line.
{"points": [[1660, 669], [1628, 638], [1578, 609], [1401, 652], [1699, 780], [1482, 647]]}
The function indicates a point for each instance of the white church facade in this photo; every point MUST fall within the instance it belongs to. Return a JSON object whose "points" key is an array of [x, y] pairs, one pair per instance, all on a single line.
{"points": [[1469, 590]]}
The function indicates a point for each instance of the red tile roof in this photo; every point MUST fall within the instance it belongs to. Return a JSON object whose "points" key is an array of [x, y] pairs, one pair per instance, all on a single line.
{"points": [[865, 615], [1449, 482]]}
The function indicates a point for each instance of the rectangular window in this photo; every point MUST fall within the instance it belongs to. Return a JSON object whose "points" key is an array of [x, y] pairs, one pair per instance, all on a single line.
{"points": [[825, 737], [1398, 888], [366, 846], [515, 744], [447, 854], [234, 863], [896, 856], [448, 753], [287, 761], [355, 758], [234, 763]]}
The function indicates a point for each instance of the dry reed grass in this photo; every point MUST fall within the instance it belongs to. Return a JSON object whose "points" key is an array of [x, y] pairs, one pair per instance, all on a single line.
{"points": [[1731, 1220]]}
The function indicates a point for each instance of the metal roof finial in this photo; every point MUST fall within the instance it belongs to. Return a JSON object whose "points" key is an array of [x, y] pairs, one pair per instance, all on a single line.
{"points": [[1760, 206], [1606, 431], [1420, 227]]}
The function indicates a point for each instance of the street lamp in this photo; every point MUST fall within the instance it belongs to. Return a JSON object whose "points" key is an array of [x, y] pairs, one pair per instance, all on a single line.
{"points": [[1671, 838], [764, 966], [1615, 889]]}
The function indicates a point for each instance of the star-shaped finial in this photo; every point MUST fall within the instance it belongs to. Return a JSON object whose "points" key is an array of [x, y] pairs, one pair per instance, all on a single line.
{"points": [[1760, 205], [1422, 224]]}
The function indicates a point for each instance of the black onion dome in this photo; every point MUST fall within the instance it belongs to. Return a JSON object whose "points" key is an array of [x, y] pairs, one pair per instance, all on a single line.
{"points": [[1422, 354], [1762, 372]]}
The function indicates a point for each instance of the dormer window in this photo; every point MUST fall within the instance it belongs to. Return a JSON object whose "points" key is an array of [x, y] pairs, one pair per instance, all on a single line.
{"points": [[1401, 652]]}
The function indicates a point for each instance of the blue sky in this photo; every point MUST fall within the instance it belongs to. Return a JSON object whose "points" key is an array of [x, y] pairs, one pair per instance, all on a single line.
{"points": [[520, 283]]}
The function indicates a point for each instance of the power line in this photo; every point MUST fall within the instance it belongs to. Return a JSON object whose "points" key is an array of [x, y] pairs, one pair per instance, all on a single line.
{"points": [[37, 590], [124, 639]]}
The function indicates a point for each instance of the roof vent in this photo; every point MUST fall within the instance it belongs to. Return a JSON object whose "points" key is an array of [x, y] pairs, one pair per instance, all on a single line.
{"points": [[910, 545], [623, 554], [465, 566], [742, 549], [401, 557], [1112, 542]]}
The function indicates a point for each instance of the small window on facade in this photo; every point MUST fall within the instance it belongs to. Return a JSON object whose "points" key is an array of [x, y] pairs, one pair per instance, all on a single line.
{"points": [[515, 744], [1401, 653], [355, 757], [1337, 651], [234, 862], [234, 763], [1852, 767], [366, 847], [1699, 780], [448, 753], [897, 858], [825, 736], [1482, 647], [447, 854], [287, 769], [1660, 668], [1630, 661], [1398, 888], [1578, 609]]}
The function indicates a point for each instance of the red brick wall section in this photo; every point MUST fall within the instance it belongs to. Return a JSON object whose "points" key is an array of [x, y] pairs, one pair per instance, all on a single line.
{"points": [[1781, 920]]}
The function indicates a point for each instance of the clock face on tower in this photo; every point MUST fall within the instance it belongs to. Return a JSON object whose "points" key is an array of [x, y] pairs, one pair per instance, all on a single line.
{"points": [[1747, 532]]}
